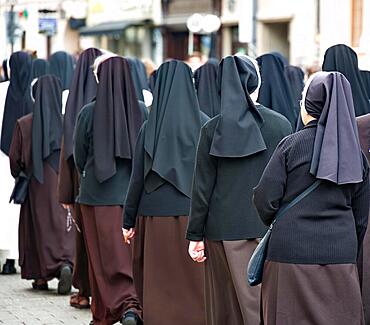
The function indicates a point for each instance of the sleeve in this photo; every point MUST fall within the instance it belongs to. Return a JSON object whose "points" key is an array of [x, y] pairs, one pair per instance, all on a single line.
{"points": [[15, 153], [270, 190], [65, 179], [136, 184], [81, 141], [360, 208], [203, 185]]}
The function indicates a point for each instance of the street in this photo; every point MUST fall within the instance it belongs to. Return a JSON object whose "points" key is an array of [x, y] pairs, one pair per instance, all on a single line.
{"points": [[21, 305]]}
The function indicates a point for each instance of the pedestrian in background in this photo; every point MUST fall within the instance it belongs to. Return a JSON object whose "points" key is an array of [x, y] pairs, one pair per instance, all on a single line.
{"points": [[314, 246], [233, 149], [276, 92], [169, 285], [62, 66], [46, 246], [105, 137], [83, 91], [205, 80], [343, 59], [15, 101]]}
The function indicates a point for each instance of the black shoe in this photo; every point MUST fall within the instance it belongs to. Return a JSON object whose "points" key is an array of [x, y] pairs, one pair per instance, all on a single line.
{"points": [[65, 280], [40, 287], [9, 268], [91, 323], [130, 318]]}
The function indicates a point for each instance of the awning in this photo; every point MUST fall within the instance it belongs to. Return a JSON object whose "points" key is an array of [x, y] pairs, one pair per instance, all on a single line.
{"points": [[107, 28]]}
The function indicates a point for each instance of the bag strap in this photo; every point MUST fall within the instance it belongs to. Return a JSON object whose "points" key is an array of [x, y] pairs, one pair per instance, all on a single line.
{"points": [[297, 199]]}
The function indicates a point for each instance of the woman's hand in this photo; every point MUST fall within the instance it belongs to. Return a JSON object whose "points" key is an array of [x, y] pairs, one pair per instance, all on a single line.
{"points": [[196, 251], [66, 206], [128, 234]]}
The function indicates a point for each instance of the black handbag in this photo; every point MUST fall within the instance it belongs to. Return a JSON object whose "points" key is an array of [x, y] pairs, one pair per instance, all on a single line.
{"points": [[257, 261], [20, 190]]}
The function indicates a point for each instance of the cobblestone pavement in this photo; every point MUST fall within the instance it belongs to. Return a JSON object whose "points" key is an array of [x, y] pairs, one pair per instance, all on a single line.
{"points": [[20, 305]]}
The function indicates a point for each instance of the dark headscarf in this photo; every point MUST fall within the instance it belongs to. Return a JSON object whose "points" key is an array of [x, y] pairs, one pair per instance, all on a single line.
{"points": [[343, 59], [172, 130], [139, 76], [47, 125], [117, 117], [205, 79], [275, 92], [295, 77], [83, 91], [40, 67], [366, 79], [62, 66], [5, 71], [337, 154], [18, 98], [238, 131]]}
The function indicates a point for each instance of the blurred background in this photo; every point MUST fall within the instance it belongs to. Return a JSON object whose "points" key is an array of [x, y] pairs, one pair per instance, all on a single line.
{"points": [[159, 29]]}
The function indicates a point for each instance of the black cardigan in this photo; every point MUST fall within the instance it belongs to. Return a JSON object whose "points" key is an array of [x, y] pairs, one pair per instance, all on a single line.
{"points": [[112, 191], [326, 227], [221, 207], [165, 201]]}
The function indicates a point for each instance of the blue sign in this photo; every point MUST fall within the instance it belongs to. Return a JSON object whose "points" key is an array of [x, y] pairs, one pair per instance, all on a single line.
{"points": [[48, 26]]}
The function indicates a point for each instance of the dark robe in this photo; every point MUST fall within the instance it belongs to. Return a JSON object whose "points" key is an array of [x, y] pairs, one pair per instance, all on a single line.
{"points": [[83, 91], [105, 131], [45, 245], [68, 185]]}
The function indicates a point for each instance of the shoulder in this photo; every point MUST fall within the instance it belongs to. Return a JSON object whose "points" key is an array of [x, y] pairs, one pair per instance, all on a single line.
{"points": [[274, 118], [86, 112]]}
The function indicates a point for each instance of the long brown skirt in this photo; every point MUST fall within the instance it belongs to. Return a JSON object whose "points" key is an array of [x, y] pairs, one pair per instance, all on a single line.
{"points": [[295, 294], [110, 264], [81, 266], [229, 299], [45, 245], [169, 283]]}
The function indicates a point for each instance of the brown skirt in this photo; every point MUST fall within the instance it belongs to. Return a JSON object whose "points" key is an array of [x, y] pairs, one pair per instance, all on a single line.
{"points": [[229, 299], [364, 271], [294, 294], [110, 264], [170, 285], [45, 245], [81, 266]]}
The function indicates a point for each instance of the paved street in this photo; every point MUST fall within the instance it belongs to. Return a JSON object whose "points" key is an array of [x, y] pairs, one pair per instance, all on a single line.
{"points": [[19, 304]]}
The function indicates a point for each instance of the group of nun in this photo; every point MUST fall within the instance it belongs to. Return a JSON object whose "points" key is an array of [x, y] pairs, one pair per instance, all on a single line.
{"points": [[152, 209]]}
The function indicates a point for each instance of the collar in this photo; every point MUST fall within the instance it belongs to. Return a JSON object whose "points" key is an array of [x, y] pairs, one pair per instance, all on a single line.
{"points": [[311, 124]]}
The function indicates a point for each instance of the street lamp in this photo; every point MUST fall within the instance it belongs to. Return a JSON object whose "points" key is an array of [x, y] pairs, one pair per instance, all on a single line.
{"points": [[198, 23]]}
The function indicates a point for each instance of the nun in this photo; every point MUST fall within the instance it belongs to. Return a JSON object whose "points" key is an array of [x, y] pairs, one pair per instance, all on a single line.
{"points": [[205, 79], [275, 91], [104, 140], [363, 123], [62, 66], [169, 285], [343, 59], [139, 76], [40, 67], [295, 76], [83, 91], [45, 243], [17, 97], [223, 224], [310, 274], [366, 79]]}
